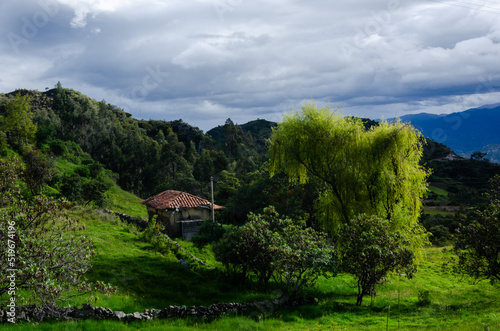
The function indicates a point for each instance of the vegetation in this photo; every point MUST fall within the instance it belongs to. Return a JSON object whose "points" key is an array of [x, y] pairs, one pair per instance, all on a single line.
{"points": [[18, 121], [270, 246], [369, 251], [373, 171], [46, 255], [478, 237], [85, 151]]}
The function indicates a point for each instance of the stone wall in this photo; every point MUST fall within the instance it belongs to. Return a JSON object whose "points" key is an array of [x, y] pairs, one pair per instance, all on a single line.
{"points": [[33, 313], [142, 224]]}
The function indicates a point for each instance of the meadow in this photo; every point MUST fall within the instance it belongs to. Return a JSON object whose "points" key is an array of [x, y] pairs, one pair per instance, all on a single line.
{"points": [[435, 299]]}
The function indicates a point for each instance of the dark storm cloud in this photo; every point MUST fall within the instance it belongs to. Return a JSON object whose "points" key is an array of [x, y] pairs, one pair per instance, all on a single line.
{"points": [[205, 61]]}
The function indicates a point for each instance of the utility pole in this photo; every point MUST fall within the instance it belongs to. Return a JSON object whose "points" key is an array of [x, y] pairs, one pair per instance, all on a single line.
{"points": [[212, 187]]}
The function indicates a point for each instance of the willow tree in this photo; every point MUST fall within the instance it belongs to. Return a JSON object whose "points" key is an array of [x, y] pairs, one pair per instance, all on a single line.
{"points": [[373, 171]]}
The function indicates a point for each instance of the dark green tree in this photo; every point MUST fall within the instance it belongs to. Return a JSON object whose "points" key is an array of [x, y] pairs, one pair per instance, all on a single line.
{"points": [[271, 246], [477, 244], [37, 171], [369, 250]]}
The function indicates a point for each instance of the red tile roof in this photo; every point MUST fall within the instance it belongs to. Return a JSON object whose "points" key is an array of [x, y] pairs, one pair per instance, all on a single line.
{"points": [[177, 200]]}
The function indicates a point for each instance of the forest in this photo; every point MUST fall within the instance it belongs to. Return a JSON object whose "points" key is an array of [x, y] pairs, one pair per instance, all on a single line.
{"points": [[313, 203]]}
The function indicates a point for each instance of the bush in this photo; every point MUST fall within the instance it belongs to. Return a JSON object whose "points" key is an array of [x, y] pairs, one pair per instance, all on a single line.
{"points": [[153, 235], [58, 147], [423, 298], [440, 235], [210, 232], [369, 250], [477, 244], [269, 246], [51, 256]]}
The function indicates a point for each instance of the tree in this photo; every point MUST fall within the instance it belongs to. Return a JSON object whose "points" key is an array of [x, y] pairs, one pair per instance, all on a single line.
{"points": [[43, 246], [210, 231], [272, 246], [477, 244], [251, 248], [478, 156], [37, 170], [374, 171], [19, 120], [369, 251]]}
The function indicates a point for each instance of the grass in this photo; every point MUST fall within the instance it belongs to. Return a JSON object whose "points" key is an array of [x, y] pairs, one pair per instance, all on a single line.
{"points": [[431, 210], [125, 202], [146, 279], [438, 191]]}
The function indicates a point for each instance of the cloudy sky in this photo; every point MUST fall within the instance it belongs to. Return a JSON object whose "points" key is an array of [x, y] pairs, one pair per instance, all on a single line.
{"points": [[204, 61]]}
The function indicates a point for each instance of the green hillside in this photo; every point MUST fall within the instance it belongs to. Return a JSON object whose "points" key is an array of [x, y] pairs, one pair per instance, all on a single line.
{"points": [[95, 157]]}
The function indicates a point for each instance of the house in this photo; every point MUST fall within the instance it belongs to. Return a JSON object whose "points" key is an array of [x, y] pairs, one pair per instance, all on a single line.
{"points": [[179, 212]]}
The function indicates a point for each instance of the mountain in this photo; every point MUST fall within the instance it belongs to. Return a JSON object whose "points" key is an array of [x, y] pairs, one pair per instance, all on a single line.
{"points": [[464, 132], [253, 134]]}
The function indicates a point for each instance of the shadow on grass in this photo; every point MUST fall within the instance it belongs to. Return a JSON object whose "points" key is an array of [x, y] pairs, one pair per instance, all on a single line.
{"points": [[157, 282]]}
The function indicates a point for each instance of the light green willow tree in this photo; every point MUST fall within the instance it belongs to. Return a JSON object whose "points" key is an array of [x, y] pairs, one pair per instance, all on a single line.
{"points": [[375, 171]]}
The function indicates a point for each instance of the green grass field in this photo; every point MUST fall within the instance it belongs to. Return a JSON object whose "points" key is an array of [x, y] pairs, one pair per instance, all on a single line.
{"points": [[434, 300]]}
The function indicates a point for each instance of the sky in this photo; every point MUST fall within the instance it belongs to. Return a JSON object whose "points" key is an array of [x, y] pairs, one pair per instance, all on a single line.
{"points": [[204, 61]]}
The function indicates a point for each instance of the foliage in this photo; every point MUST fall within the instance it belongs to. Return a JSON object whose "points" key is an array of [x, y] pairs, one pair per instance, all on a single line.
{"points": [[442, 227], [465, 179], [271, 246], [45, 248], [306, 255], [3, 143], [19, 120], [209, 232], [423, 298], [373, 171], [369, 251], [477, 244], [153, 235], [257, 190], [37, 171]]}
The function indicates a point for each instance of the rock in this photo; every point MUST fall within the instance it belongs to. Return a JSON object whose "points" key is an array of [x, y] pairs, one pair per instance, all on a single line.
{"points": [[84, 314], [120, 315], [184, 263], [134, 317]]}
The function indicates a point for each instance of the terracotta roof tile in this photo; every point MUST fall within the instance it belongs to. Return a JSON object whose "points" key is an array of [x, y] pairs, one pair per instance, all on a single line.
{"points": [[175, 199]]}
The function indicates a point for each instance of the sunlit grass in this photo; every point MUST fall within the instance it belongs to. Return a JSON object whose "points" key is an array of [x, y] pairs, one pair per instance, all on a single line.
{"points": [[437, 190], [146, 279], [125, 202]]}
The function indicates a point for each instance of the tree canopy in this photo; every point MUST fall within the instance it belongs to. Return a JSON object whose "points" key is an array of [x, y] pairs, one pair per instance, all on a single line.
{"points": [[369, 251], [374, 171], [19, 119], [477, 244]]}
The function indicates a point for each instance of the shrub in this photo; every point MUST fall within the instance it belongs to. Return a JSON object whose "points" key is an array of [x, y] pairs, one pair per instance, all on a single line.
{"points": [[478, 238], [423, 298], [153, 235], [369, 250], [48, 255], [269, 246], [210, 231], [58, 147]]}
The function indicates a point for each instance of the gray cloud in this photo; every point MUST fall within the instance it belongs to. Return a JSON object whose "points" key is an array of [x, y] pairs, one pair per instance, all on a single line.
{"points": [[208, 60]]}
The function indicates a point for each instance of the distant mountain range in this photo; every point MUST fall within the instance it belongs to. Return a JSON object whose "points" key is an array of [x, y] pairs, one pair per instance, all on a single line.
{"points": [[466, 132]]}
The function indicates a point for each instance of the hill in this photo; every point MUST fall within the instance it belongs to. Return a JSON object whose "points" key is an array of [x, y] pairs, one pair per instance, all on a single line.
{"points": [[147, 157], [464, 132]]}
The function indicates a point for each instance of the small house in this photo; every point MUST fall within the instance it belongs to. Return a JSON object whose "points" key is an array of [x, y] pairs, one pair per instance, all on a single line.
{"points": [[179, 212]]}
